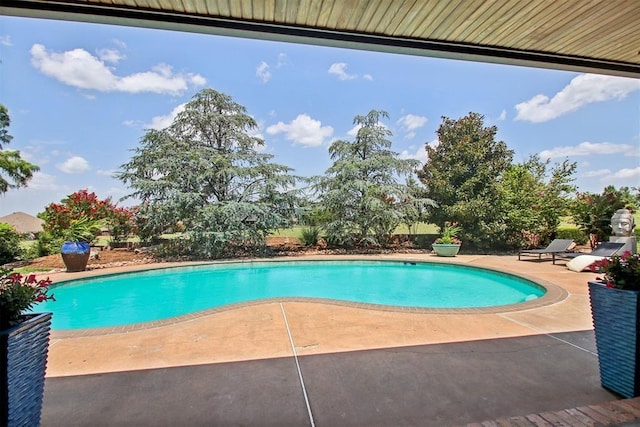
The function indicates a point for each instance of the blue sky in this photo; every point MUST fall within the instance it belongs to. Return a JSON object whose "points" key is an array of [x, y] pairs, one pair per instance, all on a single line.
{"points": [[80, 97]]}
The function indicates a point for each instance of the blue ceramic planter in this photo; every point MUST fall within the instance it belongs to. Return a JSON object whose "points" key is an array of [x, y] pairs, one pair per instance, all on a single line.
{"points": [[75, 255], [23, 355], [75, 248], [615, 320]]}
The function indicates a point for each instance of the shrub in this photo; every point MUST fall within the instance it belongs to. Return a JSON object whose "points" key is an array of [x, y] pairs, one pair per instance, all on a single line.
{"points": [[573, 233], [310, 236], [46, 245], [9, 244]]}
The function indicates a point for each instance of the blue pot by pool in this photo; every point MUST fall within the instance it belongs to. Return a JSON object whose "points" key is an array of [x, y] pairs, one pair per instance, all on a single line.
{"points": [[75, 255], [616, 321]]}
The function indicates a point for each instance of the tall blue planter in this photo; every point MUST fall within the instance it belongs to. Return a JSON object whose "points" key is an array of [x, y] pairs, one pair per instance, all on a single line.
{"points": [[615, 320], [75, 255], [23, 355]]}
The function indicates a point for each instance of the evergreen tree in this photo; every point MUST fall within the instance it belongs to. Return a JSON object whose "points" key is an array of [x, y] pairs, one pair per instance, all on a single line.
{"points": [[361, 189], [205, 173]]}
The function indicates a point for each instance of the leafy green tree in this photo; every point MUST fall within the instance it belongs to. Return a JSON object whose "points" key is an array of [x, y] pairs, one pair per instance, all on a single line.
{"points": [[462, 175], [205, 172], [15, 172], [361, 189], [9, 244], [535, 198], [592, 212]]}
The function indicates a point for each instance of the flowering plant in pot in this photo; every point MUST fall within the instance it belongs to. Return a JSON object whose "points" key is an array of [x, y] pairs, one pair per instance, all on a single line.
{"points": [[77, 246], [24, 344], [19, 293], [620, 271], [615, 309], [448, 244]]}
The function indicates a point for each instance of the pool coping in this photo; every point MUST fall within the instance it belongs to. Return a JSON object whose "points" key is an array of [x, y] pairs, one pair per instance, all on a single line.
{"points": [[554, 294]]}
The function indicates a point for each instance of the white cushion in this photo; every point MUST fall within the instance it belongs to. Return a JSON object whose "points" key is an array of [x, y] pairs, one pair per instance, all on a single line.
{"points": [[582, 262]]}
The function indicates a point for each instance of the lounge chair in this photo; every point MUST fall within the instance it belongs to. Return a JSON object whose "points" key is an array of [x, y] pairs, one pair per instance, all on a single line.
{"points": [[556, 246], [582, 261], [603, 249]]}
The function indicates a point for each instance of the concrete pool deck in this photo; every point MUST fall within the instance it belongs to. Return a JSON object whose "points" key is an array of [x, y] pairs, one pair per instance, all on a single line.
{"points": [[247, 365]]}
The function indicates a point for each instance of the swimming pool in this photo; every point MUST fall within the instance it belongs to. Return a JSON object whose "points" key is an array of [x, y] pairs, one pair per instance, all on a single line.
{"points": [[146, 296]]}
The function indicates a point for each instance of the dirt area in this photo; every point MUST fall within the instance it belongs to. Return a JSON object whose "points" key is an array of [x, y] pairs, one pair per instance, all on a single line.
{"points": [[280, 246], [98, 259]]}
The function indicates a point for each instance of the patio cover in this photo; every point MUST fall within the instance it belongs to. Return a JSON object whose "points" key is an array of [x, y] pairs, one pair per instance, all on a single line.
{"points": [[594, 36]]}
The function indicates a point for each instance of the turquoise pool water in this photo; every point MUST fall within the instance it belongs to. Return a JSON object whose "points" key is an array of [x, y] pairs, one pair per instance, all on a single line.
{"points": [[159, 294]]}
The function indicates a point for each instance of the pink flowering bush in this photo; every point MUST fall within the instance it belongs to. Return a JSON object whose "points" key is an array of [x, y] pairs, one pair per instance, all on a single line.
{"points": [[19, 293], [620, 271]]}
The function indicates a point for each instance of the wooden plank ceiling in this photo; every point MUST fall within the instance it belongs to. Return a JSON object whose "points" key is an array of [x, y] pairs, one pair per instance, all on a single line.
{"points": [[600, 36]]}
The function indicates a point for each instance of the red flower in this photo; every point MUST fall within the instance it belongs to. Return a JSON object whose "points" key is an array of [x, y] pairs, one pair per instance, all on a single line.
{"points": [[19, 293]]}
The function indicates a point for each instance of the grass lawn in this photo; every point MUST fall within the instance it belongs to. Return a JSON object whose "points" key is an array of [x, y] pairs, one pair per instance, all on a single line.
{"points": [[421, 228]]}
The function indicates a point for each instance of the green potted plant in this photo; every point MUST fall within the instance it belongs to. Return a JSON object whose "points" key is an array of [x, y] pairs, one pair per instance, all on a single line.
{"points": [[615, 309], [24, 345], [448, 244], [77, 246]]}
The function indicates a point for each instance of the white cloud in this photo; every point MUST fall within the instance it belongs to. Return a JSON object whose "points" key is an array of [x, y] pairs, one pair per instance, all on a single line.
{"points": [[111, 55], [590, 148], [419, 154], [43, 181], [627, 174], [353, 132], [119, 43], [368, 77], [582, 90], [6, 41], [624, 176], [78, 68], [161, 122], [503, 115], [75, 164], [339, 69], [263, 72], [302, 130], [264, 69], [410, 123]]}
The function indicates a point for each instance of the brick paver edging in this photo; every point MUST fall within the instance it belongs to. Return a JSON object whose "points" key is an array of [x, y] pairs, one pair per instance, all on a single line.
{"points": [[612, 413]]}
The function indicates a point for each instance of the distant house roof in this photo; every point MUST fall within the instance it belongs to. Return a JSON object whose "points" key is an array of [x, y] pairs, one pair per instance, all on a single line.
{"points": [[23, 222]]}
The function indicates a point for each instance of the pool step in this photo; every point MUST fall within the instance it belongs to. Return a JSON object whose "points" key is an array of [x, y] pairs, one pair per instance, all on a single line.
{"points": [[616, 413]]}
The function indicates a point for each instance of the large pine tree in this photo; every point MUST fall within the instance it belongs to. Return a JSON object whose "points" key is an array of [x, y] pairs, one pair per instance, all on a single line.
{"points": [[206, 172], [361, 189]]}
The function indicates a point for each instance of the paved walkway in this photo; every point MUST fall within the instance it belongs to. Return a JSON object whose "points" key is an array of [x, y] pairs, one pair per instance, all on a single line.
{"points": [[309, 363]]}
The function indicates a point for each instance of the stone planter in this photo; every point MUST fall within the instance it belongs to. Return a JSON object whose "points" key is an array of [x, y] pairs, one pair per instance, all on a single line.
{"points": [[444, 249], [615, 321], [23, 354], [75, 255]]}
